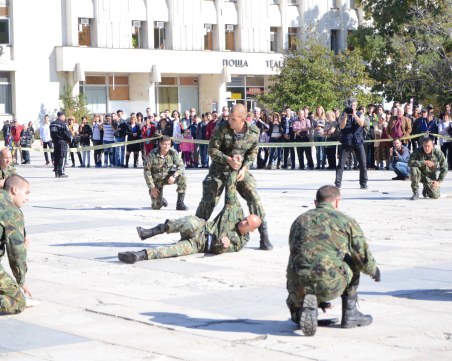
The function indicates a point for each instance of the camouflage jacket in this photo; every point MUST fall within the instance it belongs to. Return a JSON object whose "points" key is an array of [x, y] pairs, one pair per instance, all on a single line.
{"points": [[418, 157], [226, 224], [225, 143], [158, 166], [322, 239], [12, 232], [5, 173]]}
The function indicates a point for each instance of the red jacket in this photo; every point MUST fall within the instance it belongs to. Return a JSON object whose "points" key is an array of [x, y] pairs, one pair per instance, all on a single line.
{"points": [[210, 127], [15, 132]]}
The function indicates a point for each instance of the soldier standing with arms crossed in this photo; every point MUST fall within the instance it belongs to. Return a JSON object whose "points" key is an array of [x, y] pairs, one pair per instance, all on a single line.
{"points": [[233, 147]]}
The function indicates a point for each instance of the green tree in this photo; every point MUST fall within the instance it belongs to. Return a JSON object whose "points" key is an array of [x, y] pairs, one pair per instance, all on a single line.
{"points": [[408, 46], [73, 105], [313, 75]]}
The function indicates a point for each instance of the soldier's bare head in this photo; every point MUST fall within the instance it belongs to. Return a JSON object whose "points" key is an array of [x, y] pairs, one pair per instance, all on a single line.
{"points": [[328, 194], [5, 158], [165, 144], [19, 189], [427, 144], [237, 117], [249, 224]]}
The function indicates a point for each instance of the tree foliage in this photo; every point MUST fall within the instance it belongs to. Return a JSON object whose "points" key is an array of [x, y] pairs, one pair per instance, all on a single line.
{"points": [[73, 105], [313, 75], [407, 45]]}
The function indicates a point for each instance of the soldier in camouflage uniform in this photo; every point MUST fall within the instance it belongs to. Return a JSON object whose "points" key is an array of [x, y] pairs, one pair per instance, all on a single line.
{"points": [[327, 253], [165, 166], [226, 233], [233, 148], [424, 164], [13, 241], [6, 166]]}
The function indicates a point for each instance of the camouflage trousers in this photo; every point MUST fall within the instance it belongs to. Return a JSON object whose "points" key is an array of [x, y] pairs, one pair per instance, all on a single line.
{"points": [[193, 238], [181, 183], [12, 299], [214, 184], [336, 283], [426, 179]]}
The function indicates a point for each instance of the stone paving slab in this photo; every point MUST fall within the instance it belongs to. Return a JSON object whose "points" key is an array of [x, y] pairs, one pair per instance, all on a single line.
{"points": [[227, 307]]}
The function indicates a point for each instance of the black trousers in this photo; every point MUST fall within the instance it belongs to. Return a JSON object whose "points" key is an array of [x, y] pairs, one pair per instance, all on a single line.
{"points": [[46, 145], [60, 156], [360, 155]]}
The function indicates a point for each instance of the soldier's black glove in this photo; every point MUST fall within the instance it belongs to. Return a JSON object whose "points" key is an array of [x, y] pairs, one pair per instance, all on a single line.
{"points": [[324, 306], [377, 276]]}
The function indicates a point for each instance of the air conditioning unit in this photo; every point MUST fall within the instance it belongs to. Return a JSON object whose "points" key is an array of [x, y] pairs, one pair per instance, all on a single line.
{"points": [[229, 27], [208, 27], [84, 21], [136, 23], [159, 24]]}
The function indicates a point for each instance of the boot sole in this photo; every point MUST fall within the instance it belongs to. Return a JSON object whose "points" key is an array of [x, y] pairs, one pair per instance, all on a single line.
{"points": [[308, 318], [265, 247]]}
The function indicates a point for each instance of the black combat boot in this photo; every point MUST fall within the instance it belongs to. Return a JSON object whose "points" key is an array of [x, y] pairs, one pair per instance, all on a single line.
{"points": [[132, 257], [424, 192], [151, 232], [308, 317], [180, 206], [415, 196], [351, 317], [127, 161], [265, 244]]}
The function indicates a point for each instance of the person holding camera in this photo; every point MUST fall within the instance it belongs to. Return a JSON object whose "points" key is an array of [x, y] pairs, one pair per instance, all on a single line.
{"points": [[400, 155], [165, 166], [351, 125]]}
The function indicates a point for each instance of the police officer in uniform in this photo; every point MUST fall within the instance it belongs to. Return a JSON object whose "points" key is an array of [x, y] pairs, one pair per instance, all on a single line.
{"points": [[61, 136]]}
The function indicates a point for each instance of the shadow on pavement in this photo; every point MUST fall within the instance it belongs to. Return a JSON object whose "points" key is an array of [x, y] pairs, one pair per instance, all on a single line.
{"points": [[260, 327], [96, 208], [109, 244], [422, 295]]}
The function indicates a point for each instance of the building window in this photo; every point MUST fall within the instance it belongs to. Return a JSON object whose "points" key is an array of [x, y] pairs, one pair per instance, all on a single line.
{"points": [[334, 37], [5, 93], [292, 41], [4, 32], [137, 34], [159, 35], [349, 35], [334, 4], [84, 32], [274, 39], [353, 4], [208, 37], [292, 2], [230, 35]]}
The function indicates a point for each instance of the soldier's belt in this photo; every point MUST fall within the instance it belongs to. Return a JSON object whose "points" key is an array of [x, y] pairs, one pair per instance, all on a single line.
{"points": [[261, 145]]}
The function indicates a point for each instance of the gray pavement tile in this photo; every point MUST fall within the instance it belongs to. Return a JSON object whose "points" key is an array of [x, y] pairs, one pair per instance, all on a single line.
{"points": [[32, 336]]}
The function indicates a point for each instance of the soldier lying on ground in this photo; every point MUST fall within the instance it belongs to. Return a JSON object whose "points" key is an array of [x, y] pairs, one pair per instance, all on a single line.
{"points": [[327, 253], [228, 232]]}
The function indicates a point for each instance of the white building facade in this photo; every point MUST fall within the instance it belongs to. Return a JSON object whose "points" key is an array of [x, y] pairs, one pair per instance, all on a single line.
{"points": [[162, 54]]}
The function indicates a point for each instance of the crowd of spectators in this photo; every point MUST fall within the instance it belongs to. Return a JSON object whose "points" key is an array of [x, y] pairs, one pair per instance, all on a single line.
{"points": [[289, 126]]}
